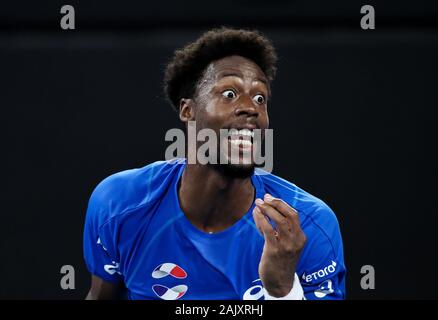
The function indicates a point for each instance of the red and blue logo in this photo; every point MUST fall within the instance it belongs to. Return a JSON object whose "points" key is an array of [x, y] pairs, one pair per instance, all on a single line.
{"points": [[169, 269], [166, 293], [175, 271]]}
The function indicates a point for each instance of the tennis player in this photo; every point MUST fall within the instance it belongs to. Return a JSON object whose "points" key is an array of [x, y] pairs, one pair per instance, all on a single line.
{"points": [[177, 230]]}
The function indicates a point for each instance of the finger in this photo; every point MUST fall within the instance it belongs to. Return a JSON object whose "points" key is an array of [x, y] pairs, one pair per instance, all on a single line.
{"points": [[282, 207], [263, 225], [282, 225]]}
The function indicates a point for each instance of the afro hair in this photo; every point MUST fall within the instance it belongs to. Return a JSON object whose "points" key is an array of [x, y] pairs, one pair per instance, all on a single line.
{"points": [[187, 65]]}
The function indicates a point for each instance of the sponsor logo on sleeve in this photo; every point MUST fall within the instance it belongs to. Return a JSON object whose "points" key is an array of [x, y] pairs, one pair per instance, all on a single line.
{"points": [[331, 268], [255, 292], [324, 289], [112, 268]]}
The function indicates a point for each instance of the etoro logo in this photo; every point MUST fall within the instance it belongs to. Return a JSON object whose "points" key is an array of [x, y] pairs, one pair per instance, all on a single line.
{"points": [[320, 273]]}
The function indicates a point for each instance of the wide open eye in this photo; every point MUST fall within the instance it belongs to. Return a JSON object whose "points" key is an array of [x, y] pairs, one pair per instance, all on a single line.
{"points": [[229, 94], [259, 99]]}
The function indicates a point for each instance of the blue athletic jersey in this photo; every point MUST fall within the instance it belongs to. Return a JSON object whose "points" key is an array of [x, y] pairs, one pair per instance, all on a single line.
{"points": [[136, 232]]}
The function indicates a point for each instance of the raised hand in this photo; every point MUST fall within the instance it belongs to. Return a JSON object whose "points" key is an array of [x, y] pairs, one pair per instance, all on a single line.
{"points": [[283, 244]]}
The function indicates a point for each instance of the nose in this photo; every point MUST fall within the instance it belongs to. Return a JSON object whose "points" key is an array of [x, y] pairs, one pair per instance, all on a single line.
{"points": [[246, 108]]}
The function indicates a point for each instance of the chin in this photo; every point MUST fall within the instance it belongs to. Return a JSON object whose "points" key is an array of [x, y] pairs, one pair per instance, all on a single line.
{"points": [[235, 170]]}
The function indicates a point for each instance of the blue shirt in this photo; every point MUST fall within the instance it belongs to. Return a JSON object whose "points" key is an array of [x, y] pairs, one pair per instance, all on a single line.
{"points": [[136, 232]]}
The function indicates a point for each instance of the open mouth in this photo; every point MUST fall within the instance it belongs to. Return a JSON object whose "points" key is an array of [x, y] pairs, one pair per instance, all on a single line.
{"points": [[241, 138]]}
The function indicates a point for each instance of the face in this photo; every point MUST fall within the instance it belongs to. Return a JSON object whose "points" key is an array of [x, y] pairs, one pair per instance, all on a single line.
{"points": [[232, 94]]}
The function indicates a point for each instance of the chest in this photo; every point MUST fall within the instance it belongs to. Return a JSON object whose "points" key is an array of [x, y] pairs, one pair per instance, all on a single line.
{"points": [[167, 262]]}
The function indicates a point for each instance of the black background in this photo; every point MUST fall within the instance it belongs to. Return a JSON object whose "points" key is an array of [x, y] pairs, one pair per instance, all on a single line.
{"points": [[353, 113]]}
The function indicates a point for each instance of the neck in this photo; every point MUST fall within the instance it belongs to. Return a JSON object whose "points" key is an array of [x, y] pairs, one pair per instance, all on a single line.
{"points": [[211, 200]]}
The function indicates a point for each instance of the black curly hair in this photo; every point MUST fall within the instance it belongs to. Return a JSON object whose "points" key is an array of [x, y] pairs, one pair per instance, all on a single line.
{"points": [[187, 65]]}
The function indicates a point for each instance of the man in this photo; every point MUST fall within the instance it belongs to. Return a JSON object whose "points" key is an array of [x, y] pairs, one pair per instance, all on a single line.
{"points": [[174, 230]]}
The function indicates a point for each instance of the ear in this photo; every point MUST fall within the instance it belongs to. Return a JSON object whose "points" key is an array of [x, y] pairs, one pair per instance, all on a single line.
{"points": [[186, 110]]}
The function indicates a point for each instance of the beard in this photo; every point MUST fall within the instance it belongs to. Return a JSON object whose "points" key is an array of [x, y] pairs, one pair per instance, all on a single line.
{"points": [[238, 171], [224, 166]]}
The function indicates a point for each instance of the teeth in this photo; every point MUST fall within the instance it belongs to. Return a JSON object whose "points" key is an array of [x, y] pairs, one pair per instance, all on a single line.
{"points": [[243, 132], [246, 132], [238, 142]]}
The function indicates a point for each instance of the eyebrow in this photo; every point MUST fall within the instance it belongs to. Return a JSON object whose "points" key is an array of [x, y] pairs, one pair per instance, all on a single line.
{"points": [[240, 76]]}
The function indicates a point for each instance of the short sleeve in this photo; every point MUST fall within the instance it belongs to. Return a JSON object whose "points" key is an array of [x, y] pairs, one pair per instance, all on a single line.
{"points": [[321, 267], [100, 252]]}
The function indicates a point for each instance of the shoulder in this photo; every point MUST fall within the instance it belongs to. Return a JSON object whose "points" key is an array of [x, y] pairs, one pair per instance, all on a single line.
{"points": [[127, 190], [312, 210], [318, 221]]}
